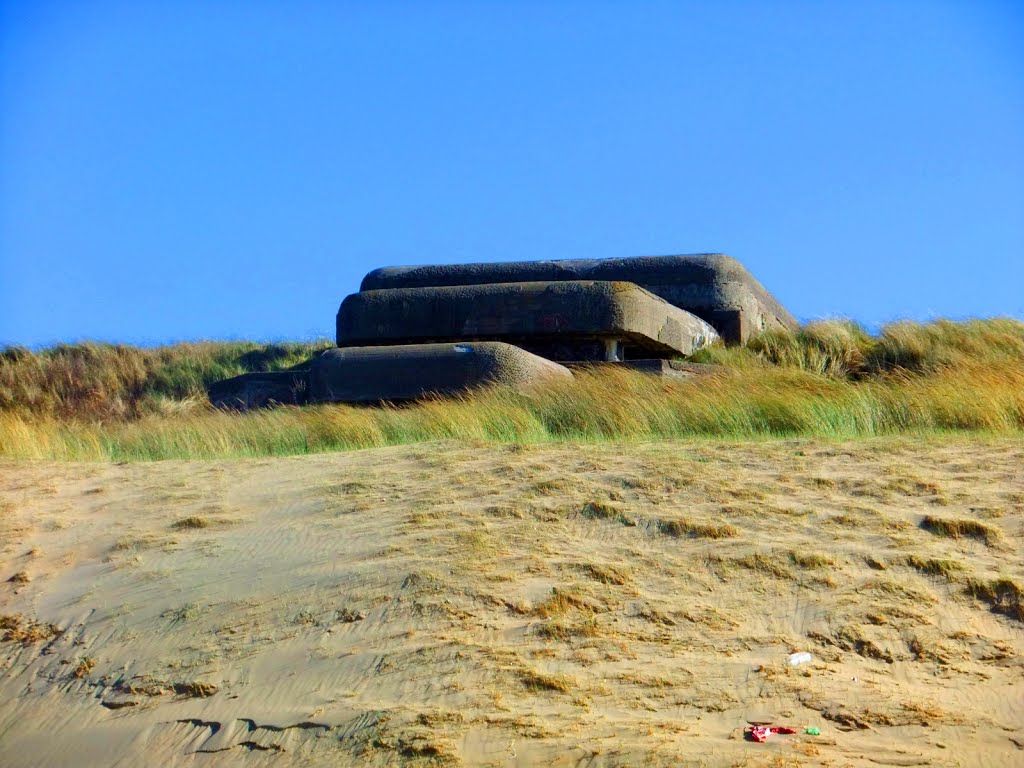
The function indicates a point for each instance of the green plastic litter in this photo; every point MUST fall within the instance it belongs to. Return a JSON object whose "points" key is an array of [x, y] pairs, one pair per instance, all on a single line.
{"points": [[813, 732]]}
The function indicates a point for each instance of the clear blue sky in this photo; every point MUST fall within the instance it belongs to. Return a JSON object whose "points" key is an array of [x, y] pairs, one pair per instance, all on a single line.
{"points": [[183, 170]]}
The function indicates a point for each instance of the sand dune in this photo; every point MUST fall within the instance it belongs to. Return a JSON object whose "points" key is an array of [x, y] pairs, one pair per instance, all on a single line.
{"points": [[453, 604]]}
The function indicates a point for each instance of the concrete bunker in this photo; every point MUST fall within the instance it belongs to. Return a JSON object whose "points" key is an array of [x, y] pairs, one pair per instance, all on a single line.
{"points": [[411, 331], [713, 286], [566, 321], [408, 372]]}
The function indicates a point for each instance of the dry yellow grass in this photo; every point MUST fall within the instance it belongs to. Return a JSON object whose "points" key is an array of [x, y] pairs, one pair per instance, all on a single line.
{"points": [[18, 629], [955, 529], [828, 380]]}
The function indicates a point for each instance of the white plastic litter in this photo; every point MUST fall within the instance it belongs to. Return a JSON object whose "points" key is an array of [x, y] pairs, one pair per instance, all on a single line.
{"points": [[803, 657]]}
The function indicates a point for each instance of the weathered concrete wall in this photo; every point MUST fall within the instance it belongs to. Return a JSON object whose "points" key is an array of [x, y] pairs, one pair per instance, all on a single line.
{"points": [[714, 287], [407, 372], [260, 390], [544, 316]]}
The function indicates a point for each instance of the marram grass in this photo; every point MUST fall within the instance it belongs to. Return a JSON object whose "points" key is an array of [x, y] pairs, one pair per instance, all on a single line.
{"points": [[827, 380], [104, 382], [610, 405]]}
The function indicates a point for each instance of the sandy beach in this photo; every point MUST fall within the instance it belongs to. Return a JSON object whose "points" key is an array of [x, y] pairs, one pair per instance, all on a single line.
{"points": [[454, 604]]}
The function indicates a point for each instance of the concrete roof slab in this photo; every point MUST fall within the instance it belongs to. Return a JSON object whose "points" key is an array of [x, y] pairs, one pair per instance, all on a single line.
{"points": [[713, 286], [522, 312]]}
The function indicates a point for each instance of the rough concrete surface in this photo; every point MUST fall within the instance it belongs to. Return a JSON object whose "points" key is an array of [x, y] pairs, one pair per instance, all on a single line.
{"points": [[527, 313], [713, 286], [406, 372]]}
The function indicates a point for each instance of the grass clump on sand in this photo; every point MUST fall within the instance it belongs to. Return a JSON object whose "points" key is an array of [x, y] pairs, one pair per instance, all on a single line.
{"points": [[825, 380], [955, 529], [1003, 595], [932, 566], [606, 574], [561, 602], [192, 522], [599, 510], [811, 560], [17, 629], [681, 528], [769, 563], [539, 681], [565, 631]]}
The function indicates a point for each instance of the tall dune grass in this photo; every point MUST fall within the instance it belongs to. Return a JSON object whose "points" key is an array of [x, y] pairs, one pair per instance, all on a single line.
{"points": [[89, 382], [829, 379], [843, 349]]}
